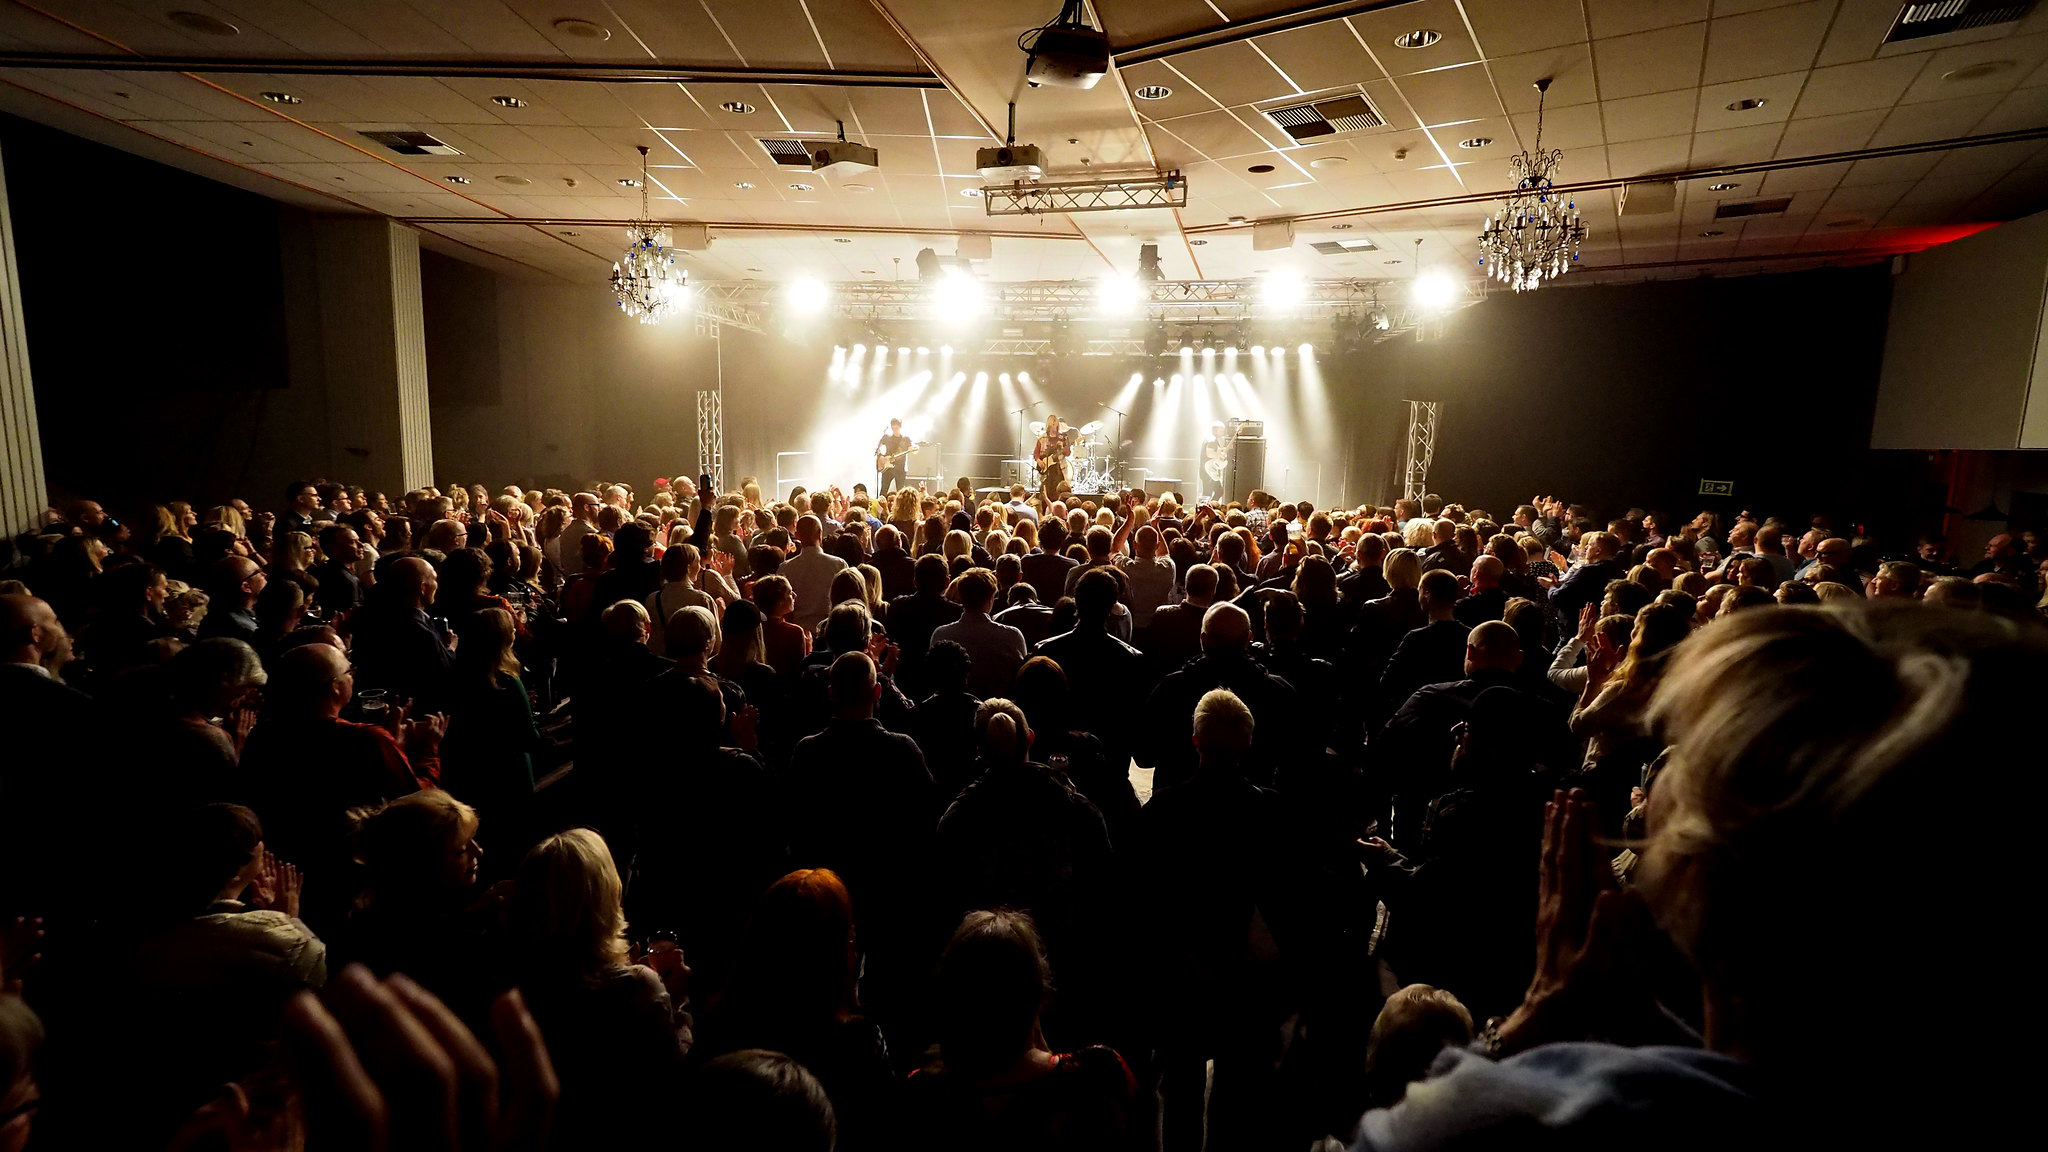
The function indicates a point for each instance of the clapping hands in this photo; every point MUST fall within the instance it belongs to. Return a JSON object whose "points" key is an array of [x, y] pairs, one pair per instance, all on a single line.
{"points": [[277, 886]]}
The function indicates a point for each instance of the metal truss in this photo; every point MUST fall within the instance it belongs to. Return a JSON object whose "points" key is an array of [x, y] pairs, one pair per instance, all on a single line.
{"points": [[711, 437], [1422, 421], [1167, 191], [736, 303]]}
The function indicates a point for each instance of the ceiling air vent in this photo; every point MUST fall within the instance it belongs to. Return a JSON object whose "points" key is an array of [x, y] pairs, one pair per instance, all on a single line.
{"points": [[1744, 208], [1940, 17], [1344, 247], [794, 153], [1327, 117], [413, 144]]}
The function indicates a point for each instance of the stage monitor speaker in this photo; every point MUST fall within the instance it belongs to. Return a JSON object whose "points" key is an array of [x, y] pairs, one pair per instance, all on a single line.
{"points": [[1016, 472], [1247, 467], [1161, 485], [975, 246]]}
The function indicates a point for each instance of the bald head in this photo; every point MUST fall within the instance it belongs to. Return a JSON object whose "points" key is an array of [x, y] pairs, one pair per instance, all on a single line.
{"points": [[1226, 628], [1493, 646], [311, 679], [1486, 573], [414, 580], [809, 531], [29, 631]]}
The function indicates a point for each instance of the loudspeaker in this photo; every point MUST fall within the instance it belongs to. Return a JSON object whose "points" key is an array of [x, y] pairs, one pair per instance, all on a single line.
{"points": [[1247, 467], [975, 246], [1160, 485]]}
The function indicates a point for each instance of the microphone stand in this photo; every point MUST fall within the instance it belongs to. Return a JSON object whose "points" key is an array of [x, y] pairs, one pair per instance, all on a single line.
{"points": [[1122, 474]]}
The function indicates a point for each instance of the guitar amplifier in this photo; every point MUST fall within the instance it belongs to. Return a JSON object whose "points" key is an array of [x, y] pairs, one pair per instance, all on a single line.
{"points": [[1247, 467], [1255, 429]]}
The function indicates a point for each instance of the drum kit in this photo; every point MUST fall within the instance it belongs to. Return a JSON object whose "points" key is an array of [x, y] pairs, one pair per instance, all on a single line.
{"points": [[1092, 467]]}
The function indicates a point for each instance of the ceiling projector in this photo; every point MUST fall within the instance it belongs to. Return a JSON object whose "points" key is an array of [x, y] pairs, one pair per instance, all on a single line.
{"points": [[1010, 163], [1068, 58], [844, 157], [1066, 53]]}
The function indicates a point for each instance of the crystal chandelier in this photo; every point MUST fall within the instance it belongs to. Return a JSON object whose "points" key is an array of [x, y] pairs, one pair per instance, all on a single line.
{"points": [[1537, 232], [646, 282]]}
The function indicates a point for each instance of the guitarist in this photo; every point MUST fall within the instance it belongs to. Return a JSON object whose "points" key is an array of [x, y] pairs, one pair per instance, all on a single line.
{"points": [[892, 458], [1050, 454]]}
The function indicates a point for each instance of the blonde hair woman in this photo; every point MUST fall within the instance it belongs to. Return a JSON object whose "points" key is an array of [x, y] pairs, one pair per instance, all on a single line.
{"points": [[225, 516], [611, 1024]]}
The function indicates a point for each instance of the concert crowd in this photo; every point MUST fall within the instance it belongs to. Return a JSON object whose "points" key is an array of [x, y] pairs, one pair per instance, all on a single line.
{"points": [[951, 819]]}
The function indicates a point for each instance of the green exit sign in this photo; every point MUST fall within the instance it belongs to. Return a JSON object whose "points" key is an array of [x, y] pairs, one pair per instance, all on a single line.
{"points": [[1717, 487]]}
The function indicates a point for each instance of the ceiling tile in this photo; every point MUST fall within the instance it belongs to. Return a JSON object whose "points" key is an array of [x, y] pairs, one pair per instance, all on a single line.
{"points": [[1646, 62], [1870, 200], [1215, 135], [1735, 145], [1649, 117], [2021, 53], [1183, 99], [1320, 56], [1766, 43], [1915, 123], [1569, 69], [1815, 177], [1858, 87], [2025, 108], [1649, 157], [1821, 135], [1575, 127], [1231, 74], [1621, 17], [1950, 189], [1506, 27], [1890, 169], [1777, 92], [1450, 95], [1859, 27], [1379, 27], [1993, 158]]}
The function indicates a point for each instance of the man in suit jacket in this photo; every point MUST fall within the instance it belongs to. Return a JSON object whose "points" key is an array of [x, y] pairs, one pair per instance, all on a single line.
{"points": [[43, 718], [1586, 583]]}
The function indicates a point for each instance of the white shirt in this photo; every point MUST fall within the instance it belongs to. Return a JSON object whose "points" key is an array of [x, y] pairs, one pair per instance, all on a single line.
{"points": [[810, 574], [569, 547], [994, 651], [1151, 584]]}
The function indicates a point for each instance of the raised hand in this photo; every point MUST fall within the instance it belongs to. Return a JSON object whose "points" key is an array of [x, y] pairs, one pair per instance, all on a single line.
{"points": [[386, 1066], [425, 733], [1588, 617]]}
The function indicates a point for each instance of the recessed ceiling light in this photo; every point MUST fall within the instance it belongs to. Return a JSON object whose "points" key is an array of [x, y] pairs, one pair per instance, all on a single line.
{"points": [[1712, 232], [568, 232], [1237, 219], [201, 22], [841, 240], [1723, 186], [456, 179], [1977, 71], [1845, 224], [738, 107], [508, 101], [1329, 161], [867, 271], [280, 98], [799, 187], [857, 188], [1260, 168], [753, 269], [582, 29], [1420, 38], [1341, 227], [1749, 105], [742, 185], [1198, 243], [628, 182], [1390, 261], [515, 181], [972, 193], [1153, 92], [1476, 142]]}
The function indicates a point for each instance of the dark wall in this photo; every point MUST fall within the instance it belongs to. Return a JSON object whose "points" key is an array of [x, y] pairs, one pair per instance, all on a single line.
{"points": [[1633, 394], [154, 305]]}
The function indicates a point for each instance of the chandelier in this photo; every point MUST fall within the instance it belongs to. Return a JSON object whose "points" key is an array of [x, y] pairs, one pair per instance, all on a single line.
{"points": [[1537, 232], [645, 281]]}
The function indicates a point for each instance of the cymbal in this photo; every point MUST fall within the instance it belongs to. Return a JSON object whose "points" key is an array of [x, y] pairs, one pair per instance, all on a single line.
{"points": [[1091, 428], [1037, 427]]}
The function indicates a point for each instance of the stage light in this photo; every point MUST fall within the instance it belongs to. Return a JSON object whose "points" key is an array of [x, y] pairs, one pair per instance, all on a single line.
{"points": [[1435, 289], [924, 351], [961, 295], [945, 349], [860, 349], [1259, 350], [807, 294], [1117, 295], [905, 351], [1307, 351], [1004, 378], [1285, 289]]}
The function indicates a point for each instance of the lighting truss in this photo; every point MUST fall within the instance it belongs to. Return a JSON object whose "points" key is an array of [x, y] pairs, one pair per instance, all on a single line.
{"points": [[711, 437], [1021, 199], [1422, 419]]}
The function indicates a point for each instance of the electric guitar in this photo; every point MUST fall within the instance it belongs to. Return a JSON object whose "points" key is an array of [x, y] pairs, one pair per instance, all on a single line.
{"points": [[1057, 455], [883, 462], [1216, 457]]}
